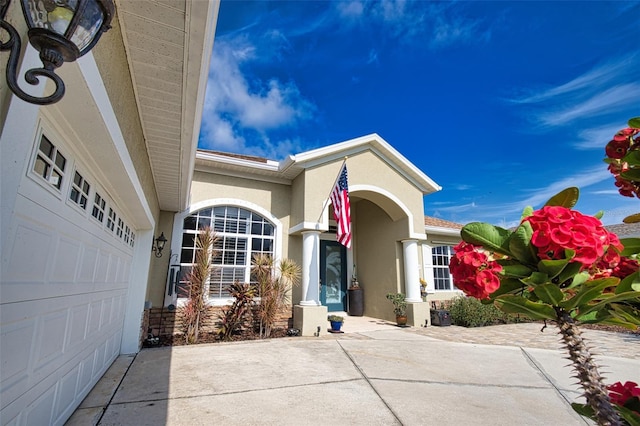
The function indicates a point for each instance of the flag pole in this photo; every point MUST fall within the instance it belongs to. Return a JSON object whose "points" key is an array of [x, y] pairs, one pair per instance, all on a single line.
{"points": [[326, 203]]}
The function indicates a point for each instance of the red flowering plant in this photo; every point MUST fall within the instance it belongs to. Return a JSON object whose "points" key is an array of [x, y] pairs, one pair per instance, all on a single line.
{"points": [[561, 266], [623, 156]]}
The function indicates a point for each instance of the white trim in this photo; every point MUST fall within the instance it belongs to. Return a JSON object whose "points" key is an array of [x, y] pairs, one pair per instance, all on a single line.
{"points": [[91, 74]]}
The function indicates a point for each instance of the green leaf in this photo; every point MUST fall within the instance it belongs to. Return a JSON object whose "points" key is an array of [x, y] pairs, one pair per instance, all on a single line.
{"points": [[579, 279], [565, 198], [569, 272], [519, 305], [630, 416], [631, 174], [631, 246], [632, 157], [493, 238], [549, 293], [611, 298], [514, 269], [630, 283], [520, 244], [508, 285], [583, 410], [537, 278], [589, 291], [552, 267], [626, 313], [634, 218], [599, 214], [634, 123], [528, 211]]}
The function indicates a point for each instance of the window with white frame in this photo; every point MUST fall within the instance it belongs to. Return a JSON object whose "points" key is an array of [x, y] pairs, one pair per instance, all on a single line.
{"points": [[240, 234], [50, 163], [441, 276], [80, 188], [99, 205], [111, 220]]}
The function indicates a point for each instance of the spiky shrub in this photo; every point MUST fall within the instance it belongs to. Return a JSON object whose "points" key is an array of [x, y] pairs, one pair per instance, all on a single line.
{"points": [[236, 317], [274, 284], [561, 266], [195, 310]]}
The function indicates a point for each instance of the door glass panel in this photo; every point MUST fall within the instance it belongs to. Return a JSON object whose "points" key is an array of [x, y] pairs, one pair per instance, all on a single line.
{"points": [[333, 274]]}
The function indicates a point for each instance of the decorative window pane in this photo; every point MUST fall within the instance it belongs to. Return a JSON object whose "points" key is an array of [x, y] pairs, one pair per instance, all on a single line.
{"points": [[133, 238], [79, 191], [120, 228], [441, 276], [127, 234], [240, 234], [98, 207], [111, 220], [49, 163]]}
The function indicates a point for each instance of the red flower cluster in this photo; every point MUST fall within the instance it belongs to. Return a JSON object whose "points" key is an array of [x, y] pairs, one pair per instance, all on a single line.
{"points": [[556, 229], [616, 149], [473, 272], [620, 394]]}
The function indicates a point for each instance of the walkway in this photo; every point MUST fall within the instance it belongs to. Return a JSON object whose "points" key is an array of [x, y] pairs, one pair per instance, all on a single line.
{"points": [[373, 374]]}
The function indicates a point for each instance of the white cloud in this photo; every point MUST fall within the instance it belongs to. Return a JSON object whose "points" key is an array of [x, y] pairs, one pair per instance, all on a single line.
{"points": [[234, 106], [607, 88], [598, 137], [608, 101]]}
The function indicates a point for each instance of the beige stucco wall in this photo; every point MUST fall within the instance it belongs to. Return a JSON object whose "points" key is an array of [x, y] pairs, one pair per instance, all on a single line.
{"points": [[365, 169], [378, 251], [160, 265]]}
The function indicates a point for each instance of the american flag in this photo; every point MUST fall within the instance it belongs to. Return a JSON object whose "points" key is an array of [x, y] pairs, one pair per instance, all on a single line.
{"points": [[342, 208]]}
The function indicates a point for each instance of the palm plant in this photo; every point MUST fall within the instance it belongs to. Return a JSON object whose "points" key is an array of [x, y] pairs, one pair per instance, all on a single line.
{"points": [[195, 310], [273, 288]]}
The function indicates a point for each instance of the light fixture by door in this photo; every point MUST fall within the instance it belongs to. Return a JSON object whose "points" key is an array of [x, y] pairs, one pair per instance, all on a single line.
{"points": [[62, 31], [158, 245]]}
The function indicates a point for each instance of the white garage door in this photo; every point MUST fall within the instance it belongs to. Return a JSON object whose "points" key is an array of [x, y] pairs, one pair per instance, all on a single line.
{"points": [[65, 274]]}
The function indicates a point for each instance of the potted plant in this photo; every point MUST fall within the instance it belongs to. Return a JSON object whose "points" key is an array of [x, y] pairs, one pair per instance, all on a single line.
{"points": [[399, 307], [336, 322]]}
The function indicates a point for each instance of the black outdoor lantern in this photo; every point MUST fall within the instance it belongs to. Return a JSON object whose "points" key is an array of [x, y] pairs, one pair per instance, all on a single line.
{"points": [[61, 30], [159, 245]]}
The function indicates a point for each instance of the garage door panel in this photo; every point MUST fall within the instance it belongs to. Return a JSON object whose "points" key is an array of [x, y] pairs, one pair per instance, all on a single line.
{"points": [[29, 255], [65, 261], [88, 265]]}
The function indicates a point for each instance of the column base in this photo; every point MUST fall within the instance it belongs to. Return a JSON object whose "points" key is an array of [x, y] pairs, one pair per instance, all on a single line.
{"points": [[310, 320], [418, 314]]}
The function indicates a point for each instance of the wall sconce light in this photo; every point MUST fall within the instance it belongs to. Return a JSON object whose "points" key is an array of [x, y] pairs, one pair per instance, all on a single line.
{"points": [[61, 30], [159, 245]]}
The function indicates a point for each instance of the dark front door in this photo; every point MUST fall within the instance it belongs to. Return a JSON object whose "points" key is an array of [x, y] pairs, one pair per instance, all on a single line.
{"points": [[333, 275]]}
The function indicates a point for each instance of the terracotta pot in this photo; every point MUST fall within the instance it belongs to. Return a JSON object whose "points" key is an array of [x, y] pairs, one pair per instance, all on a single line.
{"points": [[401, 319]]}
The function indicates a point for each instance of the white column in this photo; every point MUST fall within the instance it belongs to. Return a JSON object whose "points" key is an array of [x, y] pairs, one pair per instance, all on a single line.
{"points": [[310, 268], [411, 270]]}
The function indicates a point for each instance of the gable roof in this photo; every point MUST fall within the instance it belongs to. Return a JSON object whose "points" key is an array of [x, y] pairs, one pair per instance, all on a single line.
{"points": [[288, 169]]}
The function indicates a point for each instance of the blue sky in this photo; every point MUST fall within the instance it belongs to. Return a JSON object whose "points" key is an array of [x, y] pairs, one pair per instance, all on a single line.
{"points": [[503, 104]]}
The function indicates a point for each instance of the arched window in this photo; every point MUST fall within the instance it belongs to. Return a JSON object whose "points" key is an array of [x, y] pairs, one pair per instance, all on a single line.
{"points": [[240, 233]]}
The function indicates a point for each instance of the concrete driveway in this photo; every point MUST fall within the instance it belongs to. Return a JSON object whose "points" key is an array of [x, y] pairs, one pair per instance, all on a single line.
{"points": [[381, 376]]}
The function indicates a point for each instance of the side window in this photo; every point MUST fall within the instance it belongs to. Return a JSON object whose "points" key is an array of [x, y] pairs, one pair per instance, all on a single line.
{"points": [[441, 276], [50, 164]]}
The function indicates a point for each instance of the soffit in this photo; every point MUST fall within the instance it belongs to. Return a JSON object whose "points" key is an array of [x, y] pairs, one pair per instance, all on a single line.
{"points": [[168, 45]]}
